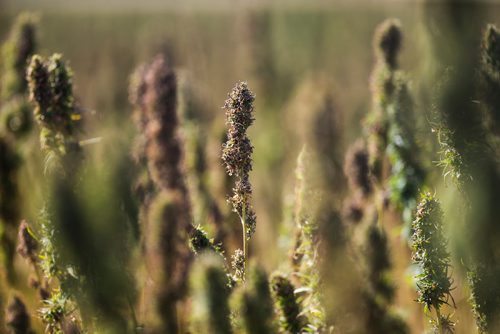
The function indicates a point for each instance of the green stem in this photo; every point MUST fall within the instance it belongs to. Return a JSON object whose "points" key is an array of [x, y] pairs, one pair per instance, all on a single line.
{"points": [[379, 203], [243, 218], [244, 228], [135, 323], [439, 324]]}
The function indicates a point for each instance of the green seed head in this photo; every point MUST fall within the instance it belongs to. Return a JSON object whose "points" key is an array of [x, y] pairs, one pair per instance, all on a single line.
{"points": [[430, 254]]}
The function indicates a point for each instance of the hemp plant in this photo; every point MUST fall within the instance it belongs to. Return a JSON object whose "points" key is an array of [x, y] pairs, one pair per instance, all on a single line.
{"points": [[253, 304], [15, 112], [490, 79], [51, 92], [15, 121], [434, 283], [237, 157], [292, 320], [469, 145], [169, 219], [387, 44], [16, 53], [211, 313]]}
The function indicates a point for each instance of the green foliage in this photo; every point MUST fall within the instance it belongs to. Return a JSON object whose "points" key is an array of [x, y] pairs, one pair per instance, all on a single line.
{"points": [[378, 264], [386, 42], [291, 319], [380, 319], [483, 299], [200, 242], [407, 174], [210, 296], [9, 201], [53, 311], [254, 303], [380, 290], [304, 257]]}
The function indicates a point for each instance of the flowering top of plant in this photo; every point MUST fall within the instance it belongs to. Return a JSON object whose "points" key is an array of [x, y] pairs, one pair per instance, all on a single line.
{"points": [[357, 168], [387, 42], [15, 53], [237, 152], [51, 89], [239, 116], [429, 252], [491, 51]]}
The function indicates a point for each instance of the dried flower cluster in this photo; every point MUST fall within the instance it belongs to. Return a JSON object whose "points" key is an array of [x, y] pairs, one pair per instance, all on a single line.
{"points": [[237, 155]]}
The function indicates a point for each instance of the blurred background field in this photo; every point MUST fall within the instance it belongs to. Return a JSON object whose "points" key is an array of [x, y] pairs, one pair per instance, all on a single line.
{"points": [[276, 49], [283, 49]]}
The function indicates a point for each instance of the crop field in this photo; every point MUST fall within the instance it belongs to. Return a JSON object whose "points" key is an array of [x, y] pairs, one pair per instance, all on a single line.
{"points": [[249, 167]]}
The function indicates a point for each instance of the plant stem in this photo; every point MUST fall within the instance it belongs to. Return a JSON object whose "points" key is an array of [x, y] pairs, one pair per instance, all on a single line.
{"points": [[379, 203], [244, 228], [135, 323], [243, 218], [439, 325]]}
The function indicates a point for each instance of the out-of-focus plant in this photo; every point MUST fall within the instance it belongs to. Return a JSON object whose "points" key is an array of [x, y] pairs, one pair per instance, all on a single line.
{"points": [[169, 221], [253, 304], [407, 174], [465, 106], [16, 53], [304, 257], [291, 318], [15, 121], [211, 313], [206, 210], [9, 205], [17, 317], [386, 43]]}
